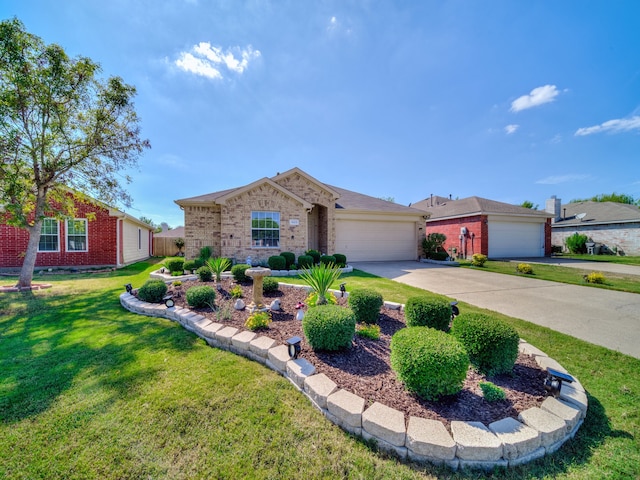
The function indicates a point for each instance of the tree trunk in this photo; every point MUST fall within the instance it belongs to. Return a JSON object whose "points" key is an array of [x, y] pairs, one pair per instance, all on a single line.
{"points": [[29, 263]]}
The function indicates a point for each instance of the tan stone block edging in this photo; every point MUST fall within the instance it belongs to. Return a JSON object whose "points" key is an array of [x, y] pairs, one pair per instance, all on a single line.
{"points": [[505, 443]]}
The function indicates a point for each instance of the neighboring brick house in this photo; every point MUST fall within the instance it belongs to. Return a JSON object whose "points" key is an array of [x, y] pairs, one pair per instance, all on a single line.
{"points": [[97, 236], [613, 227], [496, 229], [295, 212]]}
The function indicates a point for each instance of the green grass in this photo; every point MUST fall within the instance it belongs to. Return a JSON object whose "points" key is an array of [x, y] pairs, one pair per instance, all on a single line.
{"points": [[556, 273], [624, 260], [89, 390]]}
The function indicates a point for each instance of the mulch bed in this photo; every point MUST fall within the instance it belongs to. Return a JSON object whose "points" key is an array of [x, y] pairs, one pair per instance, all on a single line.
{"points": [[364, 369]]}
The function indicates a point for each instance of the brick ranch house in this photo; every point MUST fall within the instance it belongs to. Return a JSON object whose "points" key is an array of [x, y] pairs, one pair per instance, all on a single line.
{"points": [[613, 227], [98, 236], [495, 229], [294, 212]]}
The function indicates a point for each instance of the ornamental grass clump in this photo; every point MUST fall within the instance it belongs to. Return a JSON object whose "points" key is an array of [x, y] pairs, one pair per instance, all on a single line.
{"points": [[492, 344], [431, 363], [320, 278], [329, 327], [366, 304], [201, 296], [431, 312], [218, 265], [152, 291]]}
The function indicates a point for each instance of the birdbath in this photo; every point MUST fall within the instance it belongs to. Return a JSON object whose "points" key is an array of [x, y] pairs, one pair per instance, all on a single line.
{"points": [[257, 273]]}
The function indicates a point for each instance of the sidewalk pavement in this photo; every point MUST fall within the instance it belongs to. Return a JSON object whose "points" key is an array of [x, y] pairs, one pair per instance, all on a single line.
{"points": [[603, 317]]}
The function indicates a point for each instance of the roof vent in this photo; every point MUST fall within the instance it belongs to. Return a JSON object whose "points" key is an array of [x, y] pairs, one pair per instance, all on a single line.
{"points": [[580, 216]]}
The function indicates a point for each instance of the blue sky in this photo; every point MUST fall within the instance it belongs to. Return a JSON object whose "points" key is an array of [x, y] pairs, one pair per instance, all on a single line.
{"points": [[507, 100]]}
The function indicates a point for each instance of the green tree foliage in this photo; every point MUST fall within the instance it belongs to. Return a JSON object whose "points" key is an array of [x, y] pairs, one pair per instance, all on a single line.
{"points": [[64, 132], [530, 205], [610, 197]]}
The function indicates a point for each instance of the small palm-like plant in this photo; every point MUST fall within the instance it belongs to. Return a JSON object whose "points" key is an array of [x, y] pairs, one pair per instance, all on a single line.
{"points": [[218, 265], [320, 278]]}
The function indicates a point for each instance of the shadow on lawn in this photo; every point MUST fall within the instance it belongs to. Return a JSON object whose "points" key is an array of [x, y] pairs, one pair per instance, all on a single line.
{"points": [[52, 340]]}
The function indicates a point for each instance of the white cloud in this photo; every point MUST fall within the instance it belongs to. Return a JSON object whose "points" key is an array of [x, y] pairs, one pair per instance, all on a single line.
{"points": [[556, 179], [538, 96], [209, 61], [612, 126], [333, 23], [511, 129]]}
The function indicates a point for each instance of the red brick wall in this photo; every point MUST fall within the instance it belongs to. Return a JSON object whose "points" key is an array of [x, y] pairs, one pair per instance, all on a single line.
{"points": [[101, 240], [475, 241]]}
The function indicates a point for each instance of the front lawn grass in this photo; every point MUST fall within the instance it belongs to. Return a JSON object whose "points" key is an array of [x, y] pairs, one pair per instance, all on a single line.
{"points": [[89, 390], [557, 273]]}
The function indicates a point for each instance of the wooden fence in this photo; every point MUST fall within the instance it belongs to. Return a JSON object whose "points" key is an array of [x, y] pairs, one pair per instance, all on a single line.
{"points": [[164, 246]]}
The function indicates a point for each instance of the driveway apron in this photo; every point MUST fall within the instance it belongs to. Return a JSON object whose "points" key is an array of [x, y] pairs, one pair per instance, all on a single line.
{"points": [[603, 317]]}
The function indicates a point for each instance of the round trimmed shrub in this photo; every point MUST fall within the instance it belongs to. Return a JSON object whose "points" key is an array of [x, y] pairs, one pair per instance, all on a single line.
{"points": [[327, 259], [277, 262], [366, 304], [269, 285], [201, 296], [190, 265], [329, 327], [238, 272], [492, 344], [313, 254], [289, 257], [152, 291], [204, 274], [305, 261], [341, 260], [430, 363], [428, 312], [175, 264]]}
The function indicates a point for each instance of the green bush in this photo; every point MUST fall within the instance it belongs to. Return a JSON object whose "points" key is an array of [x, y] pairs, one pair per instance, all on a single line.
{"points": [[269, 285], [329, 327], [204, 274], [341, 260], [372, 332], [429, 362], [439, 256], [205, 253], [433, 243], [478, 260], [366, 304], [238, 272], [289, 257], [595, 277], [305, 261], [313, 254], [422, 311], [236, 291], [327, 259], [201, 296], [258, 320], [190, 265], [577, 243], [491, 392], [152, 291], [492, 344], [175, 264], [524, 268], [277, 262]]}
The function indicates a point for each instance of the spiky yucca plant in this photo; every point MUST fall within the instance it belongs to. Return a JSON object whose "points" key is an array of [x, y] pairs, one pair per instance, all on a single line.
{"points": [[320, 278], [218, 265]]}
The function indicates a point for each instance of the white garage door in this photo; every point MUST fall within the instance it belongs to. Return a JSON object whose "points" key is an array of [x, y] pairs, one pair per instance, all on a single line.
{"points": [[376, 241], [513, 239]]}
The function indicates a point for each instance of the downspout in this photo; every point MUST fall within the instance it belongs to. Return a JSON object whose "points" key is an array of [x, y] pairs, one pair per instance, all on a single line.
{"points": [[118, 246]]}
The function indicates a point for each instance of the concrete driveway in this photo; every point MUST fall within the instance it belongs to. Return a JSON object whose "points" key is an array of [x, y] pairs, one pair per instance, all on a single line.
{"points": [[603, 317]]}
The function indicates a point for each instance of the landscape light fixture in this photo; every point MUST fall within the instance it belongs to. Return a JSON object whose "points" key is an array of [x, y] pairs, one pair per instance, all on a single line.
{"points": [[293, 344], [343, 288], [129, 288], [553, 382], [168, 301]]}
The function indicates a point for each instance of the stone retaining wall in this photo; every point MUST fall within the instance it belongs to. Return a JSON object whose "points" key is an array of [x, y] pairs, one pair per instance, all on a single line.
{"points": [[505, 443]]}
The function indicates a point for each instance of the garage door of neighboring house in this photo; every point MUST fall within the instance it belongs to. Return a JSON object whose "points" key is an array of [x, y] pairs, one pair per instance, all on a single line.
{"points": [[516, 239], [376, 241]]}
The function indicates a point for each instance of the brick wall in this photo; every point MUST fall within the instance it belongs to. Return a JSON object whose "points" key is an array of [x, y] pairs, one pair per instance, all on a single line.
{"points": [[476, 243], [623, 236], [101, 241]]}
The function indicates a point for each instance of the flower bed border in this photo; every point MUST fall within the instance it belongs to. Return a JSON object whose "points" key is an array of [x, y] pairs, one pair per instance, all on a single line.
{"points": [[506, 443]]}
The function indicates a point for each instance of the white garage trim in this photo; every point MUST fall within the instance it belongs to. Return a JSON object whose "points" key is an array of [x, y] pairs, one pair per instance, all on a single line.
{"points": [[372, 239], [509, 239]]}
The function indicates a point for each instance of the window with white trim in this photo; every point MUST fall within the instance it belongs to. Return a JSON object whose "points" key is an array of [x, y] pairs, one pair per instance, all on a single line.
{"points": [[49, 236], [77, 235], [265, 229]]}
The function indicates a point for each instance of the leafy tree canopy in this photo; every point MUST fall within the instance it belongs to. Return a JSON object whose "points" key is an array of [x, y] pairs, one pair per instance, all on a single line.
{"points": [[610, 197], [64, 132], [528, 204]]}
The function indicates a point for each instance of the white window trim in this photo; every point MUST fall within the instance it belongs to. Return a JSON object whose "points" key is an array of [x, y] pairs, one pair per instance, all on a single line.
{"points": [[66, 233], [57, 235], [279, 230]]}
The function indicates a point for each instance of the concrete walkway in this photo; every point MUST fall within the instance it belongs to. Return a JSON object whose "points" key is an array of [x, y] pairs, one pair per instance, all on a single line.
{"points": [[603, 317]]}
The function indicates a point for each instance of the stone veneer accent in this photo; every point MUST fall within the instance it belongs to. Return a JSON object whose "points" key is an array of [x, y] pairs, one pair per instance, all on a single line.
{"points": [[505, 443]]}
